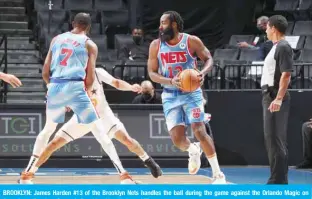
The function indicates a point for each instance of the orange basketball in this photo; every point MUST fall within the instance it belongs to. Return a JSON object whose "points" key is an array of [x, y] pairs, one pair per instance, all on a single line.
{"points": [[189, 80]]}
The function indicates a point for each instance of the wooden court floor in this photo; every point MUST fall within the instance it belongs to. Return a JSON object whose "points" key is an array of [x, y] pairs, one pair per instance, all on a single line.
{"points": [[111, 179], [235, 175]]}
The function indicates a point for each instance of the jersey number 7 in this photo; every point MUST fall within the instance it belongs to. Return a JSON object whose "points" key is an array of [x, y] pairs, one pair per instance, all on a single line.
{"points": [[68, 53]]}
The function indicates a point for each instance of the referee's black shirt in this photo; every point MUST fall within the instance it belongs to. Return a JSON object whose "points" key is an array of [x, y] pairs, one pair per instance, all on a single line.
{"points": [[279, 60]]}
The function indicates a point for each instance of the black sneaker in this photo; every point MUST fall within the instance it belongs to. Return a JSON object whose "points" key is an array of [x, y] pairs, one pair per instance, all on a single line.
{"points": [[306, 164], [154, 167]]}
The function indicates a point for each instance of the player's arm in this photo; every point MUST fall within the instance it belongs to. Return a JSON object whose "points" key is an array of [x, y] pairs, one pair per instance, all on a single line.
{"points": [[107, 78], [93, 53], [47, 64], [198, 47], [152, 65]]}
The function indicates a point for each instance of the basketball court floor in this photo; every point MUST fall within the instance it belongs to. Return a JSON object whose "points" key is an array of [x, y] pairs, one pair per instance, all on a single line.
{"points": [[235, 175]]}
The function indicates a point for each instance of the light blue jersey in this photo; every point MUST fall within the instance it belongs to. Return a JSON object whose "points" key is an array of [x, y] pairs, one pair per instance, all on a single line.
{"points": [[69, 56], [180, 108], [173, 59], [68, 72]]}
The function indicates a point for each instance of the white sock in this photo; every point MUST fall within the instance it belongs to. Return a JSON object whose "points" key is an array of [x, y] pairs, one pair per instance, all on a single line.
{"points": [[31, 167], [144, 157], [192, 148], [213, 161]]}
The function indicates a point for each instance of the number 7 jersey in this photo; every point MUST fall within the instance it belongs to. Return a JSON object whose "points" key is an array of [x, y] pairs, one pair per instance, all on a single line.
{"points": [[172, 59], [69, 56]]}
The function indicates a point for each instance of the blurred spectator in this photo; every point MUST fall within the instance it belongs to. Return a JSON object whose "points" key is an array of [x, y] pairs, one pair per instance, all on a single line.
{"points": [[261, 42], [260, 39], [148, 95], [138, 50], [307, 146]]}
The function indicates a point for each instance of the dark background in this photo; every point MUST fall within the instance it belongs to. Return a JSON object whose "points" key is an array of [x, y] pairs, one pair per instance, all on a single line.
{"points": [[213, 21]]}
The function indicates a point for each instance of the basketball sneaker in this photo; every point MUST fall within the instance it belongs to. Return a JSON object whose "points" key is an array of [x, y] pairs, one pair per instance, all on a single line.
{"points": [[153, 166], [125, 178], [194, 161], [26, 178], [219, 179]]}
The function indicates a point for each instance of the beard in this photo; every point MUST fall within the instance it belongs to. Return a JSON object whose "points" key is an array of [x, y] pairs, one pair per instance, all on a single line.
{"points": [[166, 35]]}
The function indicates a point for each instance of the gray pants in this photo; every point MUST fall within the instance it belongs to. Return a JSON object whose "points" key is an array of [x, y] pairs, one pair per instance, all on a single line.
{"points": [[275, 136], [307, 141]]}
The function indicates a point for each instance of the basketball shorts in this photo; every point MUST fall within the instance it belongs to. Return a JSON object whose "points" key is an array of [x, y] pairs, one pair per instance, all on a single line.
{"points": [[73, 95], [108, 122], [182, 108]]}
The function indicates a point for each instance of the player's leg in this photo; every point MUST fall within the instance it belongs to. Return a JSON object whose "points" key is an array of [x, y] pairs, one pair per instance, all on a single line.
{"points": [[86, 113], [61, 138], [40, 143], [120, 133], [109, 148], [55, 114], [69, 132], [175, 120], [196, 117]]}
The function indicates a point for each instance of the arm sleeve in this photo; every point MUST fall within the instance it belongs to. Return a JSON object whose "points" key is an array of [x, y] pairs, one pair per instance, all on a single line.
{"points": [[104, 76], [284, 57]]}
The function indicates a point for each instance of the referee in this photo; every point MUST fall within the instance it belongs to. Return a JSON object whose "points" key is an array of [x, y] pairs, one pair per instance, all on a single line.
{"points": [[276, 74]]}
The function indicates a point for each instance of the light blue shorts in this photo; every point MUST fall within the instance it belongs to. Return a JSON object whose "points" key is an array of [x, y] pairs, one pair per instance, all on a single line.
{"points": [[70, 94]]}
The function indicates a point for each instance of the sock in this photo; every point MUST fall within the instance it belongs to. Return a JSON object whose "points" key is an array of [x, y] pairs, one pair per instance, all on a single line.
{"points": [[144, 157], [192, 148], [31, 167], [213, 161]]}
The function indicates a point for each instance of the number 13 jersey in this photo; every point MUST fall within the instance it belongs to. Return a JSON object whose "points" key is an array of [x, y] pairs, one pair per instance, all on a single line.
{"points": [[173, 59], [69, 56]]}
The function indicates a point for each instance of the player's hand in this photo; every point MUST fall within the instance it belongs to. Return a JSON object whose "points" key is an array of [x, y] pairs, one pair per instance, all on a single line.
{"points": [[176, 81], [136, 88], [275, 106], [201, 77], [12, 80]]}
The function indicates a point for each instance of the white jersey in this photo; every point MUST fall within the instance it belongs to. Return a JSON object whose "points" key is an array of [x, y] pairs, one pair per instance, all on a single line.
{"points": [[97, 93]]}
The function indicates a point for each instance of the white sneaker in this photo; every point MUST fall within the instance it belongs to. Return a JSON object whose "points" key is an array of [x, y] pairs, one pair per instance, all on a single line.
{"points": [[194, 160], [125, 178], [127, 181], [25, 182], [26, 178], [219, 179]]}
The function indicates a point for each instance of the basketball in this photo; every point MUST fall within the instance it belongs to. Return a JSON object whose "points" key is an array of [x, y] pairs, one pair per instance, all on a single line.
{"points": [[189, 80]]}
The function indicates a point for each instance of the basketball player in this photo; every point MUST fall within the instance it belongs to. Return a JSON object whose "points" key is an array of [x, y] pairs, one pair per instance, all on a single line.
{"points": [[170, 54], [10, 79], [112, 128], [69, 70]]}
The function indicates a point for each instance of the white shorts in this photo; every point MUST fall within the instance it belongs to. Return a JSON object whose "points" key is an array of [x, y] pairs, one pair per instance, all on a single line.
{"points": [[72, 130]]}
